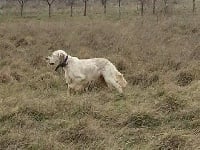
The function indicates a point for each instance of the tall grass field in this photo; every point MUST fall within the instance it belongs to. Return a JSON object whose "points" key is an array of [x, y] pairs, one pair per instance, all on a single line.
{"points": [[159, 56]]}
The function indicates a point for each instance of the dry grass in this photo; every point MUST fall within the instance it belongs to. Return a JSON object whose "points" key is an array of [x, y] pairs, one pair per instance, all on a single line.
{"points": [[160, 60]]}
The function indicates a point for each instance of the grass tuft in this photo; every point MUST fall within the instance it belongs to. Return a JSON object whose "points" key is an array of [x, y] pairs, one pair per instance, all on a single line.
{"points": [[78, 134], [184, 78], [34, 114], [141, 120], [170, 104], [173, 142], [144, 80]]}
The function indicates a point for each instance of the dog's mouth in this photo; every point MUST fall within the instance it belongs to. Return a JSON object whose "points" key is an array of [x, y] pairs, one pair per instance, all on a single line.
{"points": [[51, 63]]}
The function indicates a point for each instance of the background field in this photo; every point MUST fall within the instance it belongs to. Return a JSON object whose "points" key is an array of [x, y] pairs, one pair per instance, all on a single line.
{"points": [[158, 54]]}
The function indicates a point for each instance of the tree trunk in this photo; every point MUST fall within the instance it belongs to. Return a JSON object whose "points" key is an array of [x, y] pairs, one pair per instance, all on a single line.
{"points": [[166, 6], [154, 6], [85, 10], [194, 6], [104, 6], [49, 10], [119, 8], [71, 10], [142, 7], [22, 7]]}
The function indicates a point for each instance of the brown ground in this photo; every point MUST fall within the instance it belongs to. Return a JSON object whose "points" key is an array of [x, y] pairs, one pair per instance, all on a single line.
{"points": [[159, 59]]}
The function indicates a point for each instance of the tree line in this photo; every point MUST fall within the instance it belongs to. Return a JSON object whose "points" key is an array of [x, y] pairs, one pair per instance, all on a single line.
{"points": [[140, 5]]}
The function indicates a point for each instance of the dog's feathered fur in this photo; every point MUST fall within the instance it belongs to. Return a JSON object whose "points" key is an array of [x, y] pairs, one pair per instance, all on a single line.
{"points": [[80, 72]]}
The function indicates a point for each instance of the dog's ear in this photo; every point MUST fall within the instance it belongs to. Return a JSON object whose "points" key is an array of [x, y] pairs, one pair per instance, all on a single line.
{"points": [[61, 57]]}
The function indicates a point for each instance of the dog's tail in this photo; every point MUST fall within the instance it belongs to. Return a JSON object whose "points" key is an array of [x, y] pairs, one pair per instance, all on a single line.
{"points": [[121, 80]]}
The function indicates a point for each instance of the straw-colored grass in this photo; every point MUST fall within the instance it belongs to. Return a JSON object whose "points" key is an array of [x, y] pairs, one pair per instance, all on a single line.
{"points": [[159, 59]]}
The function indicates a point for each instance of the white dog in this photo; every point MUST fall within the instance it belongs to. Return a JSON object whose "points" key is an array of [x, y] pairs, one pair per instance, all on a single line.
{"points": [[81, 72]]}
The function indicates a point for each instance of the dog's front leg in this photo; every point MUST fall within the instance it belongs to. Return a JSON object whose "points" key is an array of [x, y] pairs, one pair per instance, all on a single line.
{"points": [[68, 88], [69, 91]]}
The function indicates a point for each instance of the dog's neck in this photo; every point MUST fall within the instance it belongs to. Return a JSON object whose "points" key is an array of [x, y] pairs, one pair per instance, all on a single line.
{"points": [[62, 64]]}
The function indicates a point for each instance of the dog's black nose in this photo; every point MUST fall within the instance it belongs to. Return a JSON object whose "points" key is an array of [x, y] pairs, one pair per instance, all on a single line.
{"points": [[51, 63]]}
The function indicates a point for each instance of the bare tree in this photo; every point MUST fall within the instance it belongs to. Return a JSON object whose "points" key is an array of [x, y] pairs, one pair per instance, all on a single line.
{"points": [[85, 7], [71, 2], [50, 2], [119, 7], [165, 6], [22, 2], [194, 6], [142, 6], [154, 6], [104, 2]]}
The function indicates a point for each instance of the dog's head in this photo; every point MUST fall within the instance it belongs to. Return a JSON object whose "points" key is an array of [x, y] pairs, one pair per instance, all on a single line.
{"points": [[57, 57]]}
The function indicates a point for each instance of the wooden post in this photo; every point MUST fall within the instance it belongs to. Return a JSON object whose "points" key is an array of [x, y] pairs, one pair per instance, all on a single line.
{"points": [[154, 6], [194, 6]]}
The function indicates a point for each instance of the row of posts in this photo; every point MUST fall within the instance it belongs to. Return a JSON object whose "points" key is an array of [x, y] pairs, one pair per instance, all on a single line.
{"points": [[140, 5]]}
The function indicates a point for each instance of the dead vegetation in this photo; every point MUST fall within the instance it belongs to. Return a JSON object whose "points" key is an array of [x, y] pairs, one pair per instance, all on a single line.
{"points": [[79, 134], [170, 104], [144, 80], [174, 142], [159, 57], [196, 53], [4, 78], [184, 78], [142, 121], [14, 141]]}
